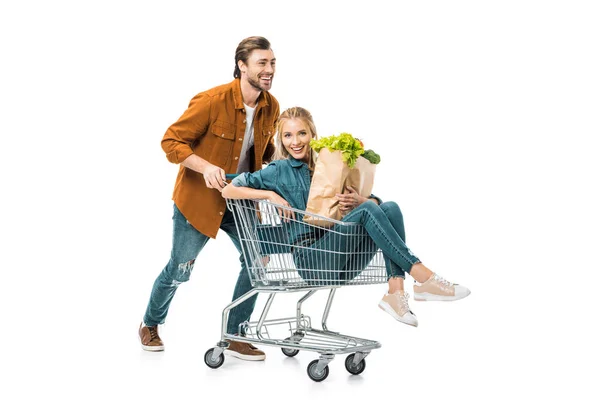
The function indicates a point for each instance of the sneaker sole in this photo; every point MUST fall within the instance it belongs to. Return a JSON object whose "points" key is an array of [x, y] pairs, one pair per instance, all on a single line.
{"points": [[245, 357], [386, 307], [153, 348], [437, 297]]}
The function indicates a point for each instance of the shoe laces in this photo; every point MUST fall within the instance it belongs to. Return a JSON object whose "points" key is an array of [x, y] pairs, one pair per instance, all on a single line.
{"points": [[442, 281], [403, 298], [153, 332]]}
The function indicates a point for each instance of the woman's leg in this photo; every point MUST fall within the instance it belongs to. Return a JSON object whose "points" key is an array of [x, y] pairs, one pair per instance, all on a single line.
{"points": [[338, 256], [430, 286], [395, 273], [362, 251], [395, 301], [395, 284], [354, 249], [385, 235]]}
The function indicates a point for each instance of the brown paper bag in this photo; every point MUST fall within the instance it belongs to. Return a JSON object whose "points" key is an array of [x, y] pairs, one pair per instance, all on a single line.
{"points": [[331, 177]]}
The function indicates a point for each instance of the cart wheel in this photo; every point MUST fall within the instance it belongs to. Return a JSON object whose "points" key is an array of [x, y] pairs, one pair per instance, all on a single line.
{"points": [[312, 371], [290, 352], [355, 369], [209, 361]]}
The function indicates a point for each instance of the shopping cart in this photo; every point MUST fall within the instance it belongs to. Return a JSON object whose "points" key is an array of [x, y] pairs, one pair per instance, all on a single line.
{"points": [[285, 254]]}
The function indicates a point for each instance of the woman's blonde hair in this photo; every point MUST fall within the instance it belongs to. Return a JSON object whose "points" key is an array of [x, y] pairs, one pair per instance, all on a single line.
{"points": [[304, 116]]}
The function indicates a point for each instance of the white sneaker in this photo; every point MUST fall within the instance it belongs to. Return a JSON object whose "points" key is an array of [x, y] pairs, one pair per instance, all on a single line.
{"points": [[396, 304], [437, 288]]}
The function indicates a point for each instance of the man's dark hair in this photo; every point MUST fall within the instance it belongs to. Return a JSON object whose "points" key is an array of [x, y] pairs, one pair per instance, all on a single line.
{"points": [[246, 47]]}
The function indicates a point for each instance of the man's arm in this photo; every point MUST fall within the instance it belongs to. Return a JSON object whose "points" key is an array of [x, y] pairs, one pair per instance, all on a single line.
{"points": [[177, 142], [239, 189], [214, 176]]}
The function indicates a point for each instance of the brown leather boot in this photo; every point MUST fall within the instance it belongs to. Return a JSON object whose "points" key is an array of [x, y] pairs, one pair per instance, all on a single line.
{"points": [[150, 339], [244, 351]]}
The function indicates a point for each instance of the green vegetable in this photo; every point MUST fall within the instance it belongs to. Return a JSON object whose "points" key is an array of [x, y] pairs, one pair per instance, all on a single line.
{"points": [[373, 157], [350, 147]]}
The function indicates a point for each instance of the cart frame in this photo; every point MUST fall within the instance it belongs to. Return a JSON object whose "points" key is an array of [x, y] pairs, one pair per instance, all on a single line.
{"points": [[272, 266]]}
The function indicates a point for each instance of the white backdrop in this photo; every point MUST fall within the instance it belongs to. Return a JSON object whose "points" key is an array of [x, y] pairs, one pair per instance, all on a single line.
{"points": [[484, 114]]}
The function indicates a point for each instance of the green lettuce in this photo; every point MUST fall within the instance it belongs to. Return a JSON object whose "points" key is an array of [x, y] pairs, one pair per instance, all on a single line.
{"points": [[350, 147]]}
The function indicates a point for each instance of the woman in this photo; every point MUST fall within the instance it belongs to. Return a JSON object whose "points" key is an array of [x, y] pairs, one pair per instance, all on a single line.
{"points": [[286, 181]]}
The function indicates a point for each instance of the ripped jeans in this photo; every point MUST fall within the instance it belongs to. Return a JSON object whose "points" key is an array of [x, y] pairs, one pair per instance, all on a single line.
{"points": [[187, 244]]}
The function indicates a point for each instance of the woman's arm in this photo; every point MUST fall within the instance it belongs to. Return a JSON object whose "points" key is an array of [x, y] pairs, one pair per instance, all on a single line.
{"points": [[242, 192]]}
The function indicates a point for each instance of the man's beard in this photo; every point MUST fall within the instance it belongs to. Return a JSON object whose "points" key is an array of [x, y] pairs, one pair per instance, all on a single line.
{"points": [[255, 83]]}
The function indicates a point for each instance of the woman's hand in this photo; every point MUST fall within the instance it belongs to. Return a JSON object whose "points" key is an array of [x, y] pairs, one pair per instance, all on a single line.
{"points": [[284, 214], [349, 201]]}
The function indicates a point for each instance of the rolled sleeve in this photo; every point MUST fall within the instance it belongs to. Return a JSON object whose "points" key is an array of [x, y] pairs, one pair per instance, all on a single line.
{"points": [[177, 141], [176, 156], [240, 180], [265, 179], [372, 196]]}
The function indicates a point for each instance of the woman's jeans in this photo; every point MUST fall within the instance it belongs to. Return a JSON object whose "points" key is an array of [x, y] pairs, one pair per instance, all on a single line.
{"points": [[187, 244], [321, 265]]}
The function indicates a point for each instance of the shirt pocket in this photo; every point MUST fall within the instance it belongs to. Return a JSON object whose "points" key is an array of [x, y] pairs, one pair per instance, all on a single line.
{"points": [[223, 139], [268, 127], [267, 131], [292, 193]]}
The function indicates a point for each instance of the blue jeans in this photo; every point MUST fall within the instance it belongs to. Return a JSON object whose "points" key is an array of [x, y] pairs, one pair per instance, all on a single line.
{"points": [[187, 244], [385, 226]]}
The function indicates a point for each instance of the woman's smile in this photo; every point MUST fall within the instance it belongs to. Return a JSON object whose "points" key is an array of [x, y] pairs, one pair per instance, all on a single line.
{"points": [[295, 139]]}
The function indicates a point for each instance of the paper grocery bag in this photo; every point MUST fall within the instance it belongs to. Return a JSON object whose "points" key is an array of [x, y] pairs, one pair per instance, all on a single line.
{"points": [[331, 176]]}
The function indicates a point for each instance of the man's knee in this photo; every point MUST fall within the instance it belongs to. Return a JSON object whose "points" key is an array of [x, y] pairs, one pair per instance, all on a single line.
{"points": [[180, 272]]}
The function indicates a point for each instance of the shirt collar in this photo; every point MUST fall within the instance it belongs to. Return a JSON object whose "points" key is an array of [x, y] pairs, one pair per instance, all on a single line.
{"points": [[295, 163], [236, 85]]}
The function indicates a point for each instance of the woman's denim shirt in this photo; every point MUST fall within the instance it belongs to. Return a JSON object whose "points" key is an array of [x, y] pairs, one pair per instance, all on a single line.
{"points": [[289, 178]]}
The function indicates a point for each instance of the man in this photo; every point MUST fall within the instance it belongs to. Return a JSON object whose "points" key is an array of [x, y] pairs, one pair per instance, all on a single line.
{"points": [[227, 129]]}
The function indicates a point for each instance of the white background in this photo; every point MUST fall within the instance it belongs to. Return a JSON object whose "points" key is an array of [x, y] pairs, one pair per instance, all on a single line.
{"points": [[484, 113]]}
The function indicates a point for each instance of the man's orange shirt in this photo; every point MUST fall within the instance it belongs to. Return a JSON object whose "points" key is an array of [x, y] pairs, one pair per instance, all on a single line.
{"points": [[213, 128]]}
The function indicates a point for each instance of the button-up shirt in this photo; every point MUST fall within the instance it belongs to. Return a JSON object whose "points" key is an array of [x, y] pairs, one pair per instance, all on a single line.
{"points": [[213, 128], [289, 178]]}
